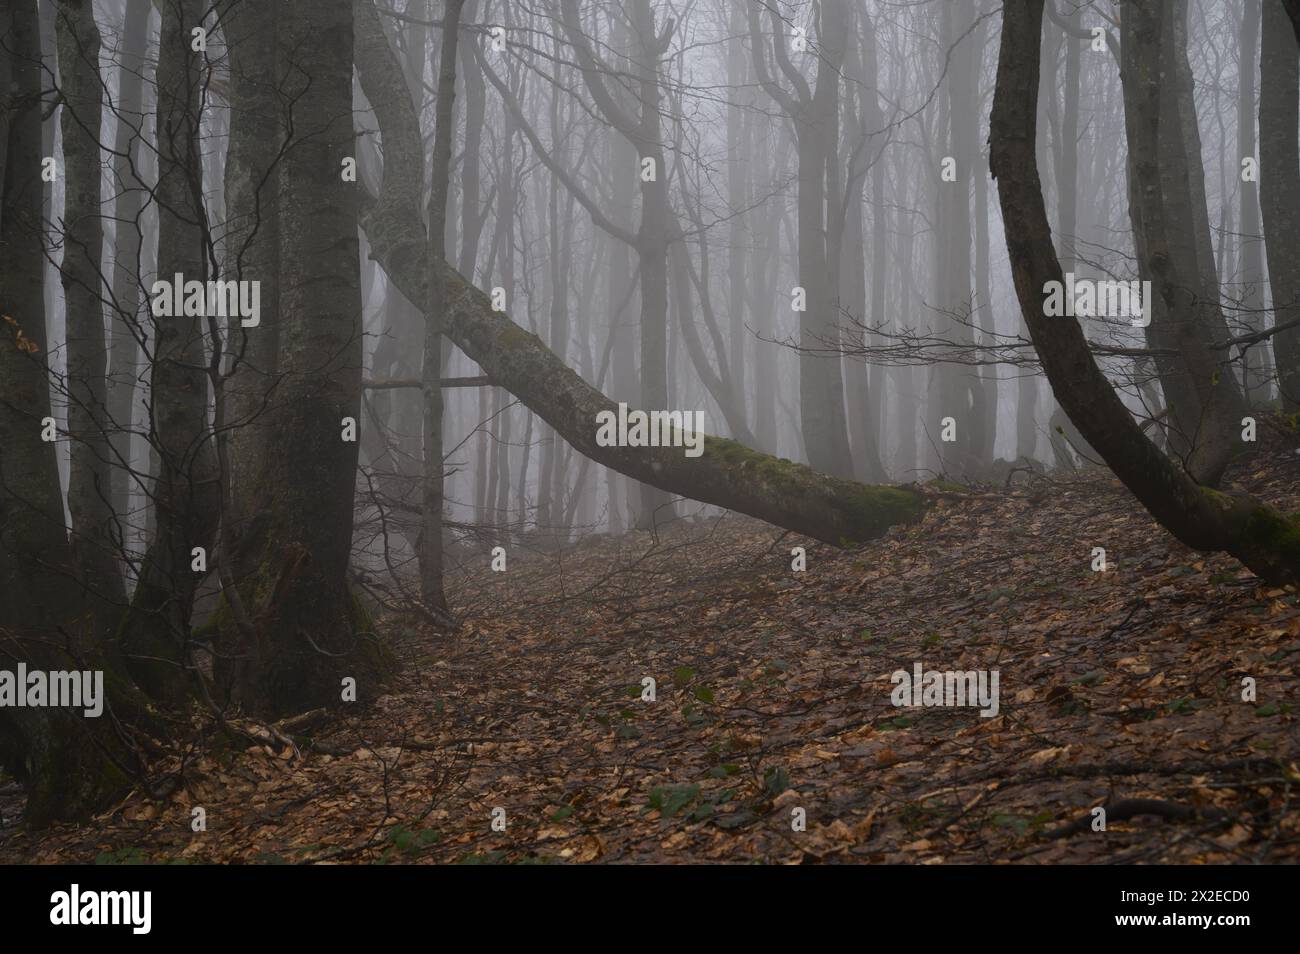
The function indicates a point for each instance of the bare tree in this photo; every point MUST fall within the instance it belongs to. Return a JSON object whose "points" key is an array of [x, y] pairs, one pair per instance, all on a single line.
{"points": [[1279, 186], [90, 496], [813, 111], [1258, 535], [431, 531]]}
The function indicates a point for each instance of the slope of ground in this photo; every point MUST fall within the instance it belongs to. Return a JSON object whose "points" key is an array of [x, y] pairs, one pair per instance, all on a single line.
{"points": [[1121, 688]]}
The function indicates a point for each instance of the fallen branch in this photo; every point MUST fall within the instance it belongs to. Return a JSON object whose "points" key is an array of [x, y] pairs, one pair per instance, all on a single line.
{"points": [[727, 474], [390, 384], [1129, 808]]}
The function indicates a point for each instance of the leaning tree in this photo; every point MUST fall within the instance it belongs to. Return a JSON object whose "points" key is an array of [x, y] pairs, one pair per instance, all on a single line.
{"points": [[1264, 539]]}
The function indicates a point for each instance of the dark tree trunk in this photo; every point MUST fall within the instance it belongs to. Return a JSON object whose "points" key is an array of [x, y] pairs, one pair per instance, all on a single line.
{"points": [[35, 558], [89, 480], [309, 633], [1279, 185], [252, 254], [127, 322], [155, 636], [1170, 195], [69, 764], [1255, 360], [1262, 538]]}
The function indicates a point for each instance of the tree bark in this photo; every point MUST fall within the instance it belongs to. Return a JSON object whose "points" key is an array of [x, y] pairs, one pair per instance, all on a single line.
{"points": [[251, 254], [35, 557], [814, 115], [309, 632], [431, 587], [1259, 536], [155, 635], [1254, 360], [67, 763], [1279, 185], [1172, 208], [127, 324], [89, 476], [739, 164], [1293, 12], [862, 116]]}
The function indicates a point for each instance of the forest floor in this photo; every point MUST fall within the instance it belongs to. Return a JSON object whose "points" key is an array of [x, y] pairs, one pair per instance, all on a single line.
{"points": [[1120, 688]]}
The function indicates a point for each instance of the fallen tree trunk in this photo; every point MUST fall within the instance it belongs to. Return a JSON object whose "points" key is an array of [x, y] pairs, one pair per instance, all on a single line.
{"points": [[1259, 536], [727, 473], [390, 384]]}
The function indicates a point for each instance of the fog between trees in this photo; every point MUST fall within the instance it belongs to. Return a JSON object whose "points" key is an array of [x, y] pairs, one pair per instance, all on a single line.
{"points": [[307, 306]]}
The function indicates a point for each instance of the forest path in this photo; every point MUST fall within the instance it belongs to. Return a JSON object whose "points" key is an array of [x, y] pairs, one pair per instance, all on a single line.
{"points": [[773, 694]]}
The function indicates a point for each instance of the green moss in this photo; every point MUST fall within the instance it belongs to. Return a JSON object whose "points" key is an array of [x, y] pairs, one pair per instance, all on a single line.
{"points": [[372, 663], [1270, 530], [253, 591], [875, 509], [947, 485], [868, 510], [376, 655], [362, 621], [512, 337], [772, 469], [1217, 497], [112, 781]]}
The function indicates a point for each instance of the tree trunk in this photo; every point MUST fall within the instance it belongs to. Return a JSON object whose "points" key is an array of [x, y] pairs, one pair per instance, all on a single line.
{"points": [[431, 587], [549, 478], [653, 236], [727, 474], [814, 115], [1255, 359], [35, 558], [861, 116], [252, 251], [957, 391], [126, 325], [1293, 12], [1262, 538], [1167, 168], [89, 480], [739, 170], [309, 633], [156, 633], [69, 764], [1279, 184]]}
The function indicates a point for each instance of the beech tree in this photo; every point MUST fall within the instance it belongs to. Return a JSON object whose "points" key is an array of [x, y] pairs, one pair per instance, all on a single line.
{"points": [[155, 635], [303, 632], [813, 109], [68, 764], [228, 515], [728, 473], [1265, 540], [1279, 190], [90, 484]]}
